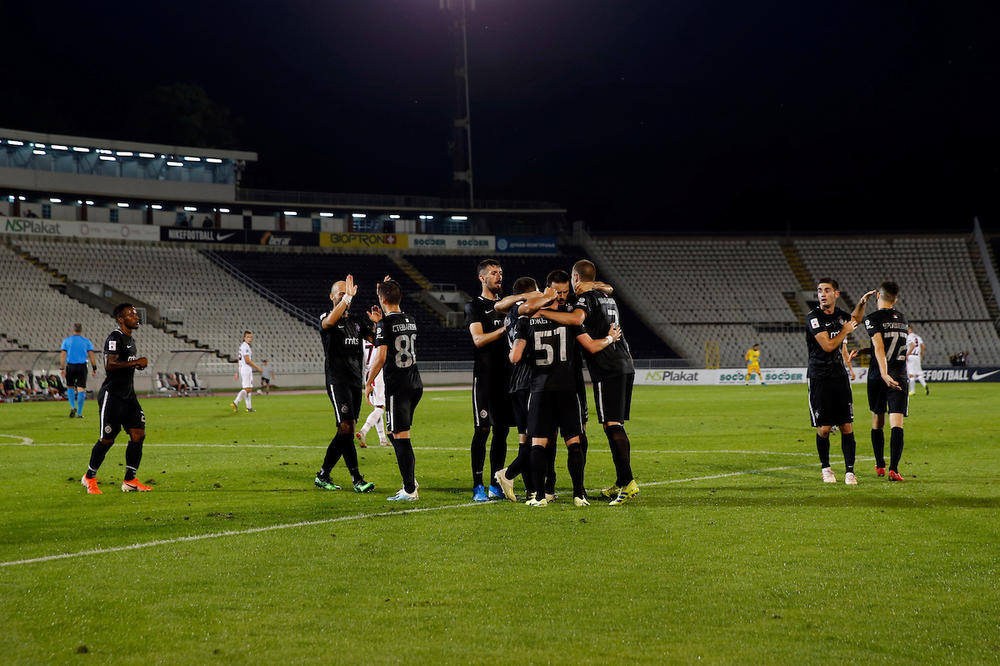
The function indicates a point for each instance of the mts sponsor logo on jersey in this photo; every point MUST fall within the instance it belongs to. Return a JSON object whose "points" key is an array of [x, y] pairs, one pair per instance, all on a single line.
{"points": [[962, 374], [359, 240]]}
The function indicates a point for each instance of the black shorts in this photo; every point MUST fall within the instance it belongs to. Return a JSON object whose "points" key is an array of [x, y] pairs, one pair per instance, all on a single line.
{"points": [[76, 375], [613, 398], [581, 395], [118, 413], [831, 402], [264, 381], [882, 399], [549, 411], [399, 408], [519, 403], [346, 401], [491, 404]]}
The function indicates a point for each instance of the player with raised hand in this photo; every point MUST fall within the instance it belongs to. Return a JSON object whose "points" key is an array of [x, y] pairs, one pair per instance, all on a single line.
{"points": [[396, 352], [887, 380], [831, 402], [118, 404], [341, 334]]}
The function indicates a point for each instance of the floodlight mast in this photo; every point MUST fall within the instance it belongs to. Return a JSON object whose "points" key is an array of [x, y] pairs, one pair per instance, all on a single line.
{"points": [[461, 141]]}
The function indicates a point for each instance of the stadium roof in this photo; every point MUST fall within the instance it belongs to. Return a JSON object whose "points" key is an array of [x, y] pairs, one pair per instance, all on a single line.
{"points": [[117, 145]]}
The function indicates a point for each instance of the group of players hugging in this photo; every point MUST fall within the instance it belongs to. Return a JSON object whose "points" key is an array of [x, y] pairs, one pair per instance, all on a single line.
{"points": [[530, 348]]}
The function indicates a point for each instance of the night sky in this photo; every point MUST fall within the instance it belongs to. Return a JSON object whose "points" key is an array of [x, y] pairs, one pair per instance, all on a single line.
{"points": [[668, 115]]}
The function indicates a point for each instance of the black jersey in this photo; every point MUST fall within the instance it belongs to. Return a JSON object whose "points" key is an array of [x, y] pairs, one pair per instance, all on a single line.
{"points": [[491, 362], [398, 332], [520, 372], [551, 350], [892, 325], [601, 312], [344, 349], [119, 383], [825, 363]]}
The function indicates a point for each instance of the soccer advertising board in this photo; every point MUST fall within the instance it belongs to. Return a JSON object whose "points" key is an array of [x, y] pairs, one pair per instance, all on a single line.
{"points": [[33, 226], [364, 240]]}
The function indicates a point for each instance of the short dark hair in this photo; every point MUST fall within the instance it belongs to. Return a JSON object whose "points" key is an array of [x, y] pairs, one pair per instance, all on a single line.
{"points": [[77, 328], [120, 308], [756, 344], [486, 263], [246, 333], [585, 269], [523, 285], [558, 275], [390, 292], [830, 281], [889, 288]]}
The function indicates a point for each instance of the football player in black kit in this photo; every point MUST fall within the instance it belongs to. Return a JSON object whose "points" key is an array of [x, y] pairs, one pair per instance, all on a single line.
{"points": [[552, 404], [342, 333], [118, 404], [611, 371], [830, 400], [490, 380], [887, 381], [396, 351]]}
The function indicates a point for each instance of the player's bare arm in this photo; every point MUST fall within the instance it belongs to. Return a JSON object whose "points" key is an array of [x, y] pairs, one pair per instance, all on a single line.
{"points": [[859, 308], [93, 362], [506, 303], [878, 350], [375, 314], [62, 363], [517, 351], [111, 363], [593, 346], [377, 362], [574, 318], [829, 344], [535, 301], [481, 339], [350, 290], [603, 287], [848, 357]]}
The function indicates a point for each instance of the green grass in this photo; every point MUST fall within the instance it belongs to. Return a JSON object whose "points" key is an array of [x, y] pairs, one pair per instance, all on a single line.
{"points": [[772, 566]]}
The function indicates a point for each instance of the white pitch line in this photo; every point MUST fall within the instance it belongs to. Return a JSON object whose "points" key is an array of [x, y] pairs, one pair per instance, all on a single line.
{"points": [[340, 519], [194, 445]]}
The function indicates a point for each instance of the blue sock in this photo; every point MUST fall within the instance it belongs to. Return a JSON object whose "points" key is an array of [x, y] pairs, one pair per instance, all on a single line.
{"points": [[71, 396], [81, 395]]}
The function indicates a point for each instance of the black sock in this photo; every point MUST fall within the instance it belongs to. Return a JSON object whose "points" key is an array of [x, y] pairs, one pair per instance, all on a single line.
{"points": [[823, 448], [498, 450], [520, 462], [895, 448], [333, 454], [350, 454], [479, 437], [133, 456], [97, 457], [522, 466], [406, 462], [538, 463], [849, 447], [583, 445], [575, 463], [878, 446], [550, 467], [621, 454]]}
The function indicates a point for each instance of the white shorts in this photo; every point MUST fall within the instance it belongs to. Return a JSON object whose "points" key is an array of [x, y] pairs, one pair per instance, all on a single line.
{"points": [[378, 393], [246, 377], [913, 368]]}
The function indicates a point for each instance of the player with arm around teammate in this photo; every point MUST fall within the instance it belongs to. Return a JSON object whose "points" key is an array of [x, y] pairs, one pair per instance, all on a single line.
{"points": [[341, 334], [887, 379], [827, 383], [396, 352], [119, 407], [244, 373]]}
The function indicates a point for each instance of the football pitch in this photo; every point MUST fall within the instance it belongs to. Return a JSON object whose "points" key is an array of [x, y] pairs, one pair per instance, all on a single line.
{"points": [[734, 551]]}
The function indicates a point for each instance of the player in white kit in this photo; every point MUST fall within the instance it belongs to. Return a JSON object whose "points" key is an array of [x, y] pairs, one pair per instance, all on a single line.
{"points": [[244, 373], [377, 400], [915, 348]]}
